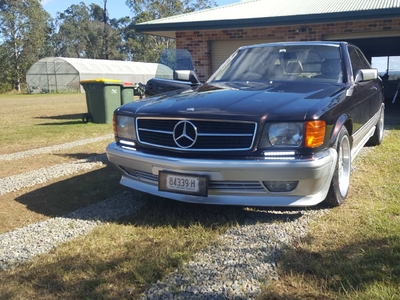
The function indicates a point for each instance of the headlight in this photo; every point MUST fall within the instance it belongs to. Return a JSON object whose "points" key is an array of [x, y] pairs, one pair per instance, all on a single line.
{"points": [[124, 127], [282, 135]]}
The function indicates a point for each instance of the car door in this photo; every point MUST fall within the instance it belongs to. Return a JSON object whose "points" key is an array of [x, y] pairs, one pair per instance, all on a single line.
{"points": [[366, 93]]}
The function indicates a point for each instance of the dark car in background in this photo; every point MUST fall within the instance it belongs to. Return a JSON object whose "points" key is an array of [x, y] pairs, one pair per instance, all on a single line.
{"points": [[182, 75], [276, 125]]}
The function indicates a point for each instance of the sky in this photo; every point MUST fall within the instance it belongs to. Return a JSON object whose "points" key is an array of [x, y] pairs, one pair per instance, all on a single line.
{"points": [[116, 8]]}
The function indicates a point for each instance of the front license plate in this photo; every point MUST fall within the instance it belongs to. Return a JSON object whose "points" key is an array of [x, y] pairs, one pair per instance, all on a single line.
{"points": [[182, 183]]}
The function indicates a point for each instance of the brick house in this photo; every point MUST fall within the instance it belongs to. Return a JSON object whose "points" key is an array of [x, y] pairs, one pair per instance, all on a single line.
{"points": [[211, 35]]}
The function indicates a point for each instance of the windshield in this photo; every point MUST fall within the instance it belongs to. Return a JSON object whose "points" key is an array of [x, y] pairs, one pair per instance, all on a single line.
{"points": [[172, 60], [282, 63], [177, 59]]}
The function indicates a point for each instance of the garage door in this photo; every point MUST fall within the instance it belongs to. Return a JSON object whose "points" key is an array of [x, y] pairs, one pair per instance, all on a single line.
{"points": [[221, 50]]}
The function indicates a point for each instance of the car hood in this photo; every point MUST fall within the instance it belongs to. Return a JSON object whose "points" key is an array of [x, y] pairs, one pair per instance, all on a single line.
{"points": [[240, 101]]}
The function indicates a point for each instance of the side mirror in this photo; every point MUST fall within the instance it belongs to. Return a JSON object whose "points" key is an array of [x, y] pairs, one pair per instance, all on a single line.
{"points": [[186, 75], [365, 74]]}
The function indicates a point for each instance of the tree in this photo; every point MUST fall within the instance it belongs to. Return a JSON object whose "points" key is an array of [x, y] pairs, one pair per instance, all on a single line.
{"points": [[83, 31], [73, 28], [105, 36], [167, 8], [23, 34], [143, 47], [6, 76]]}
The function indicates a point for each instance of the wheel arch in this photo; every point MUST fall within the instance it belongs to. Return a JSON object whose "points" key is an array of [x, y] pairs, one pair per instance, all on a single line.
{"points": [[343, 120]]}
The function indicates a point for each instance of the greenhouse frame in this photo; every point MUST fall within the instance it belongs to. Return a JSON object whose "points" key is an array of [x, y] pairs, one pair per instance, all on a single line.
{"points": [[62, 75]]}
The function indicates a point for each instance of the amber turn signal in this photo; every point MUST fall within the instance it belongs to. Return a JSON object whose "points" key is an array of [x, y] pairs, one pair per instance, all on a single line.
{"points": [[315, 133]]}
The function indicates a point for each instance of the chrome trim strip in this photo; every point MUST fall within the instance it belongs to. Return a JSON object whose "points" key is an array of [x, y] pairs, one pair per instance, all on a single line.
{"points": [[199, 134], [225, 134], [193, 119], [158, 131]]}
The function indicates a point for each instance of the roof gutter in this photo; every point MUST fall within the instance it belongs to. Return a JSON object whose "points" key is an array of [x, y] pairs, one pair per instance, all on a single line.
{"points": [[269, 21]]}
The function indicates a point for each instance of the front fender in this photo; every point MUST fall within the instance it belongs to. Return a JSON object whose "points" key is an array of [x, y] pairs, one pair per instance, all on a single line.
{"points": [[343, 120]]}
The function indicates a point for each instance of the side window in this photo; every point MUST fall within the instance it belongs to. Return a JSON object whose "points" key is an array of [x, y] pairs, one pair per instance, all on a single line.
{"points": [[358, 60], [355, 60], [363, 61]]}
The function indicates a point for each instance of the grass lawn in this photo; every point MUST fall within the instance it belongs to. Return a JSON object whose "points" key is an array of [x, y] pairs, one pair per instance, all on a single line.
{"points": [[34, 121]]}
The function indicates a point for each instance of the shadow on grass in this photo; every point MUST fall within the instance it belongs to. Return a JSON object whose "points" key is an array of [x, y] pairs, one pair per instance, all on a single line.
{"points": [[67, 195], [74, 119], [354, 268], [79, 155], [62, 123], [62, 117], [158, 212], [81, 276], [75, 277]]}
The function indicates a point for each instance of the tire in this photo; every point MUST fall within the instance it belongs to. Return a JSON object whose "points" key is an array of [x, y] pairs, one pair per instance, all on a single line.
{"points": [[377, 138], [341, 178]]}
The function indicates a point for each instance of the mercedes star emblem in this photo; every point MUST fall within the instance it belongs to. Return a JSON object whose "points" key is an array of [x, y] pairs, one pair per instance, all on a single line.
{"points": [[185, 134]]}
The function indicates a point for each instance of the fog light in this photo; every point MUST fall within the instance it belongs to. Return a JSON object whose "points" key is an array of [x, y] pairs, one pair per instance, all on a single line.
{"points": [[280, 186], [279, 155], [127, 143]]}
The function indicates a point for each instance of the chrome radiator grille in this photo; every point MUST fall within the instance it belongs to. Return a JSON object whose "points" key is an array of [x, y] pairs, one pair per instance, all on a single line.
{"points": [[196, 135]]}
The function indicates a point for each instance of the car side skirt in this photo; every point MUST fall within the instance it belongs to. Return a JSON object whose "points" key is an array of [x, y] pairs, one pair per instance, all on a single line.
{"points": [[361, 137]]}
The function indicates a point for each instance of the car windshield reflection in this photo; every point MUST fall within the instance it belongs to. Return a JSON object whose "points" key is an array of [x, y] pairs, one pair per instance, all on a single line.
{"points": [[276, 63]]}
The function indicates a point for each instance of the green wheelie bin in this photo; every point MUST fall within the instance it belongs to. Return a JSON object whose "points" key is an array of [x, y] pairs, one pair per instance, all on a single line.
{"points": [[103, 96], [127, 92]]}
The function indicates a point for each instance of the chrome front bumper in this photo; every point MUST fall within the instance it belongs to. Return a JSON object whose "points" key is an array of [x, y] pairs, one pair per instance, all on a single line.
{"points": [[231, 182]]}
